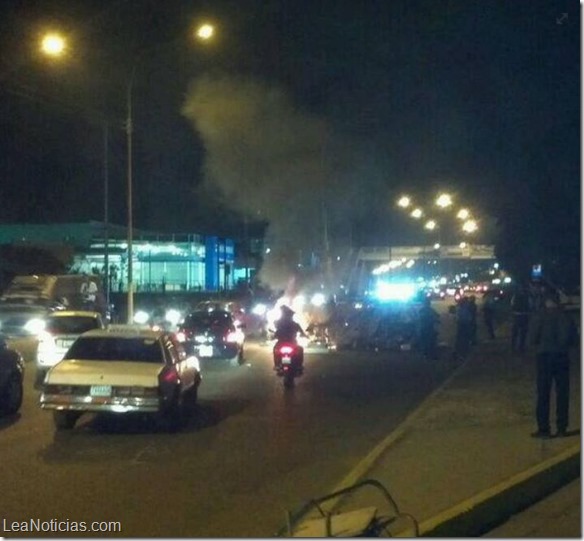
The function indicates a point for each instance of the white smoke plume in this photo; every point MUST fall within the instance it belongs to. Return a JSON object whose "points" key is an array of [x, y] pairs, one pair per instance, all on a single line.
{"points": [[264, 156]]}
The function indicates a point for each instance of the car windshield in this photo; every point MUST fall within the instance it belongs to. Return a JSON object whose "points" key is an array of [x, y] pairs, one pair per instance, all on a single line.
{"points": [[71, 325], [106, 348], [208, 319]]}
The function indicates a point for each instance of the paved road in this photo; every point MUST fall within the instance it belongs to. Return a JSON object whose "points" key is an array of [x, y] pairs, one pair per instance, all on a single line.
{"points": [[254, 451]]}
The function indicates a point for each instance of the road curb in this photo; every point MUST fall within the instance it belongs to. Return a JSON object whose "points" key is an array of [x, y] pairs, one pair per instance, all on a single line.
{"points": [[490, 508]]}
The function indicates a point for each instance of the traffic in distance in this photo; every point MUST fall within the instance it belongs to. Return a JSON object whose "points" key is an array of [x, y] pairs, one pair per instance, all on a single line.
{"points": [[84, 363]]}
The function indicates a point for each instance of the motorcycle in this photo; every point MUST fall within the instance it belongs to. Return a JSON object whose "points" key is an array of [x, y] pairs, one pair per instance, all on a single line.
{"points": [[288, 361]]}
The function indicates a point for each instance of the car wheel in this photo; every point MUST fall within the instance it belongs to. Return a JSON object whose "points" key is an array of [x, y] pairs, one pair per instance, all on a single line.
{"points": [[12, 394], [170, 419], [39, 379], [65, 420]]}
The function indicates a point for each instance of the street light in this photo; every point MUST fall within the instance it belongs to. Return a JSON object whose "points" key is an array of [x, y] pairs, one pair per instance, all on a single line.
{"points": [[444, 200], [470, 226], [416, 213], [53, 45], [203, 32], [404, 201], [463, 214]]}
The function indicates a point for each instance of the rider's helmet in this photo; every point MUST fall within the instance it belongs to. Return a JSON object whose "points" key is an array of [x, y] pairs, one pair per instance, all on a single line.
{"points": [[286, 311]]}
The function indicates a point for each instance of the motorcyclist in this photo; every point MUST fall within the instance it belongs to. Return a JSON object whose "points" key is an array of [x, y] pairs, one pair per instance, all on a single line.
{"points": [[287, 330]]}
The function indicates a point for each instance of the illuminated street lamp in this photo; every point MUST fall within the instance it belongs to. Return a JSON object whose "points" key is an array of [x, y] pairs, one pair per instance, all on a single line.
{"points": [[404, 201], [470, 226], [416, 213], [463, 214], [204, 32], [444, 200], [53, 45], [430, 225]]}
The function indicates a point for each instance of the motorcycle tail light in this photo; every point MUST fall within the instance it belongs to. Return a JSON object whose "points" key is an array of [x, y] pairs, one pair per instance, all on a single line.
{"points": [[286, 350], [231, 337]]}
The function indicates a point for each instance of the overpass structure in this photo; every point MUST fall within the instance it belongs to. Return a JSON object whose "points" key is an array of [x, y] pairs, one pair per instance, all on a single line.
{"points": [[422, 260]]}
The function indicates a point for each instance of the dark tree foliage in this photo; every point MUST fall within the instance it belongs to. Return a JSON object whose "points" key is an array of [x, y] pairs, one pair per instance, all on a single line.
{"points": [[33, 259]]}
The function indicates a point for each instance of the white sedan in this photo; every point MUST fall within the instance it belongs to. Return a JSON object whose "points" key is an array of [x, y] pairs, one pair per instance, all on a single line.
{"points": [[122, 369]]}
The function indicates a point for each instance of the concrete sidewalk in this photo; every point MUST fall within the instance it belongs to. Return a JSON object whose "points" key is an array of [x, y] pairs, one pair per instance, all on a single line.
{"points": [[464, 462]]}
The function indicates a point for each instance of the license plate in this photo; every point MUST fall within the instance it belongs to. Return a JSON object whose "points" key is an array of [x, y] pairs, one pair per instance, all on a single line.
{"points": [[100, 390], [206, 351], [286, 360]]}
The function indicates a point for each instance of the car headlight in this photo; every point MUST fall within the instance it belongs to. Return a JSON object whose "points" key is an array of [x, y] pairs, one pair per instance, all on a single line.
{"points": [[34, 326], [173, 316], [141, 317]]}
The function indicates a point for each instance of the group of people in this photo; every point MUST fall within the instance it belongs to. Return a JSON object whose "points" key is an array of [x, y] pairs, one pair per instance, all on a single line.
{"points": [[539, 320]]}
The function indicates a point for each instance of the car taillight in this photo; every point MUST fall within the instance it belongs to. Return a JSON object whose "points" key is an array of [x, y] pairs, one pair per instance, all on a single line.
{"points": [[58, 389], [136, 391]]}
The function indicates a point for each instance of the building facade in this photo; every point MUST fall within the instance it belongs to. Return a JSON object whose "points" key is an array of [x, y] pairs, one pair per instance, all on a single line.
{"points": [[160, 262]]}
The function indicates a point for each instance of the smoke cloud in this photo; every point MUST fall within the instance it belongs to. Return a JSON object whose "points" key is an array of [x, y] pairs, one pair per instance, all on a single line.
{"points": [[272, 162]]}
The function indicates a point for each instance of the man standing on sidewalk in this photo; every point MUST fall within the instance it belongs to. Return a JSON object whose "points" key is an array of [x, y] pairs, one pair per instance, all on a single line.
{"points": [[554, 334]]}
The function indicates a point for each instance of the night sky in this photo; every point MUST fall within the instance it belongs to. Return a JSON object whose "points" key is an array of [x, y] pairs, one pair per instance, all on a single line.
{"points": [[294, 104]]}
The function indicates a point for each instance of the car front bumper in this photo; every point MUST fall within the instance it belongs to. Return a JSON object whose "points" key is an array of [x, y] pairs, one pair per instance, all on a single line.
{"points": [[114, 404]]}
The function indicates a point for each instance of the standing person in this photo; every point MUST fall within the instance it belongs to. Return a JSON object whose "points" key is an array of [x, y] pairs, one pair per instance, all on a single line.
{"points": [[553, 335], [489, 312], [428, 319], [521, 307], [472, 300], [463, 328], [88, 292]]}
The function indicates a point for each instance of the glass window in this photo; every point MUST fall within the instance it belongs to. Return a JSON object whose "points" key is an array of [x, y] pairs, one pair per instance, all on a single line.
{"points": [[71, 325], [106, 348]]}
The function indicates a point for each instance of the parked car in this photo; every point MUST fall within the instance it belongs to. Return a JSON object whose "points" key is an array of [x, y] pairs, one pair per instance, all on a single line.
{"points": [[11, 378], [61, 329], [123, 369], [213, 335]]}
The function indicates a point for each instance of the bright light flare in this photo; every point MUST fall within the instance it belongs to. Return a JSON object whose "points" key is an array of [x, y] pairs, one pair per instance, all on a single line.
{"points": [[141, 317], [463, 214], [205, 32], [35, 326], [53, 44], [470, 226], [417, 213], [430, 225], [404, 202], [395, 291], [318, 299], [444, 200], [173, 316]]}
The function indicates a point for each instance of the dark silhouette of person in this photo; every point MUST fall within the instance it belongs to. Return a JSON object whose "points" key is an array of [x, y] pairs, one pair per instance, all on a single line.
{"points": [[428, 319], [464, 328], [489, 312], [287, 330], [554, 334], [521, 308]]}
